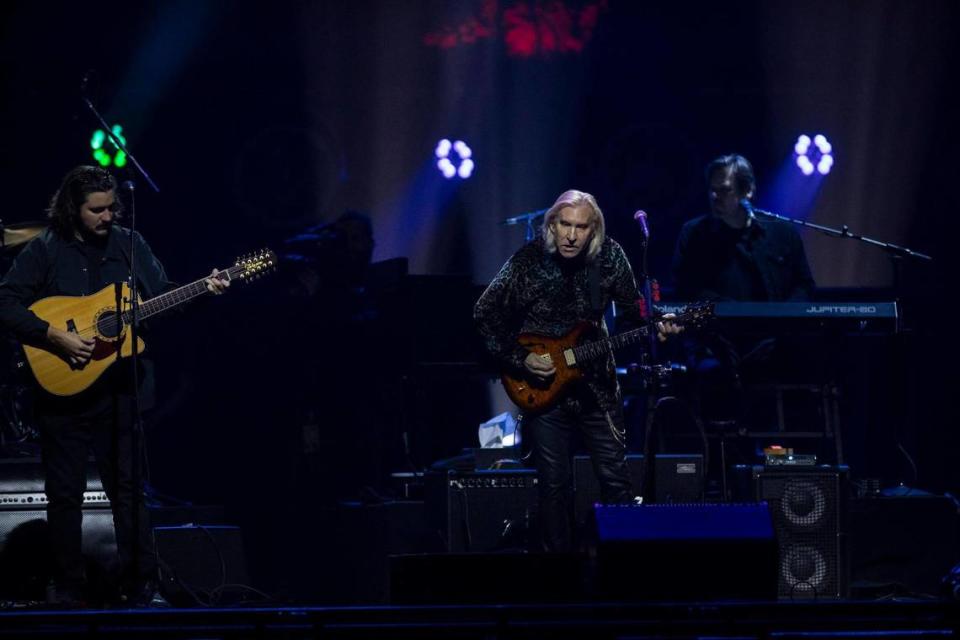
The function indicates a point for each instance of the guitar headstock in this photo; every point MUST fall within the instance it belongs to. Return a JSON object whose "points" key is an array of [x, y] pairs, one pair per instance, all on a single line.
{"points": [[254, 265]]}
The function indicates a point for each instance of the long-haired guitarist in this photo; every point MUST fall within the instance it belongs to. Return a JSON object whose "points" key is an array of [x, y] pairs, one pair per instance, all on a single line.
{"points": [[565, 277], [83, 251]]}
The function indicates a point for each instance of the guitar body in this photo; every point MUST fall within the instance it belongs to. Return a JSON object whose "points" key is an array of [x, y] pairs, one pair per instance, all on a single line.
{"points": [[86, 314], [569, 352], [533, 395], [95, 317]]}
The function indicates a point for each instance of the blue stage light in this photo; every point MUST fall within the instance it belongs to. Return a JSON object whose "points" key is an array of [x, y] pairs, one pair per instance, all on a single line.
{"points": [[454, 159], [814, 154]]}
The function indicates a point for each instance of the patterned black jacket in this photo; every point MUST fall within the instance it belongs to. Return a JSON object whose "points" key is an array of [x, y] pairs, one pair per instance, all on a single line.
{"points": [[540, 292]]}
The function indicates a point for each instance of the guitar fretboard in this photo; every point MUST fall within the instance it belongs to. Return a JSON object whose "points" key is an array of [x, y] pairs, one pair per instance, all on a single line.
{"points": [[599, 348], [178, 296]]}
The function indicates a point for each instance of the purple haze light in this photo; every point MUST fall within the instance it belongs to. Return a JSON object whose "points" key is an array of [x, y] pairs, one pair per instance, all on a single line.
{"points": [[805, 165], [454, 159], [819, 158], [446, 168], [824, 165]]}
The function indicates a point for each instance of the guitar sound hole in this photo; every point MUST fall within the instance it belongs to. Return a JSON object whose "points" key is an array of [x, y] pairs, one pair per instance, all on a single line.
{"points": [[107, 324]]}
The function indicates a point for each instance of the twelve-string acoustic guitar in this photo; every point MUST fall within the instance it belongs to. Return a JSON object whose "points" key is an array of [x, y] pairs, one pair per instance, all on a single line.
{"points": [[95, 316]]}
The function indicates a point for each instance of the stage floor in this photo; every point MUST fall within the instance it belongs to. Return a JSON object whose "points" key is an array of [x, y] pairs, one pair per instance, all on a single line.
{"points": [[887, 619]]}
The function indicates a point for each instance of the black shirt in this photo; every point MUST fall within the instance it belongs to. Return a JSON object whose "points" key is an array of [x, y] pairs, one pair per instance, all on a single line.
{"points": [[764, 261], [51, 265]]}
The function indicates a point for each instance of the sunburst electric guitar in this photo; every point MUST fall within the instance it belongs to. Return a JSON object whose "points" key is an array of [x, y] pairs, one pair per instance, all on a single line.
{"points": [[569, 352], [95, 316]]}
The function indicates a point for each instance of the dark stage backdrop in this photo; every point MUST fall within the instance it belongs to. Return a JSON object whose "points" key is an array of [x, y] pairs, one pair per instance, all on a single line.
{"points": [[258, 120]]}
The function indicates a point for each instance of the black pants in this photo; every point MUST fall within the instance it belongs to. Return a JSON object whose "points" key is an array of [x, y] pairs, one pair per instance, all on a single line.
{"points": [[69, 430], [553, 432]]}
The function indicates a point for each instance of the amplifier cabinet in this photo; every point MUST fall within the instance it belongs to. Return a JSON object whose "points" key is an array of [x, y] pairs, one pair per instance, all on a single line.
{"points": [[201, 565], [26, 557], [492, 510], [677, 478]]}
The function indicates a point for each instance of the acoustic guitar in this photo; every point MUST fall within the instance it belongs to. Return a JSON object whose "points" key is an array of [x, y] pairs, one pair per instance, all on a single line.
{"points": [[95, 316], [567, 353]]}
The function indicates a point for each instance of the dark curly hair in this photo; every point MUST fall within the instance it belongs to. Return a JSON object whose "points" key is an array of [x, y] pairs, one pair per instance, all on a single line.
{"points": [[64, 209]]}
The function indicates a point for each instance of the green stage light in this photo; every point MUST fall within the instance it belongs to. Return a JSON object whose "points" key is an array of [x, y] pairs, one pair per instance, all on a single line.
{"points": [[105, 150]]}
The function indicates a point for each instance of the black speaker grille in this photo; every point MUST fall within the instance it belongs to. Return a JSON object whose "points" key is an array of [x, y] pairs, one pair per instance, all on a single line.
{"points": [[806, 507]]}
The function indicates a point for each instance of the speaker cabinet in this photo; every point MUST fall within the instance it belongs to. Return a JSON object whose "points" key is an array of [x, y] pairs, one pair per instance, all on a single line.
{"points": [[491, 510], [26, 555], [808, 506], [685, 552], [201, 565]]}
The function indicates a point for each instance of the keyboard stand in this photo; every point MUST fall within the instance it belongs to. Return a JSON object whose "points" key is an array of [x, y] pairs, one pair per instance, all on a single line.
{"points": [[829, 398]]}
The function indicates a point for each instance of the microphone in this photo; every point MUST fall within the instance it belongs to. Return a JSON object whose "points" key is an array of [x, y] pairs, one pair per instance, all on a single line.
{"points": [[748, 207], [524, 217], [641, 217], [127, 185]]}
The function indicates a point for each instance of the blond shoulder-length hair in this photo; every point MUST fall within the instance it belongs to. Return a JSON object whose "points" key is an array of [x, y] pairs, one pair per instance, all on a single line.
{"points": [[574, 198]]}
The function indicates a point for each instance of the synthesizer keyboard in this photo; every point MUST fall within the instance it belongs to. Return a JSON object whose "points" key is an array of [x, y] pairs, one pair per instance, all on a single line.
{"points": [[776, 317]]}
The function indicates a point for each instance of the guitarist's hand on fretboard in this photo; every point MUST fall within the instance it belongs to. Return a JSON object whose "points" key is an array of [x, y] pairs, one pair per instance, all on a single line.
{"points": [[540, 366], [216, 284], [665, 328]]}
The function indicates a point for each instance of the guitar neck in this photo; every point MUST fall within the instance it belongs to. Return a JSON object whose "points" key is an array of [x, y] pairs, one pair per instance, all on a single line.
{"points": [[178, 296], [600, 348]]}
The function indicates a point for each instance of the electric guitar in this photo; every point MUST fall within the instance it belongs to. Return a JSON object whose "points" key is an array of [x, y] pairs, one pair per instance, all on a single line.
{"points": [[95, 316], [567, 353]]}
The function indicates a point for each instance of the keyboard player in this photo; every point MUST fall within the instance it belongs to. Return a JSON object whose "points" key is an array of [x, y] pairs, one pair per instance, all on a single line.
{"points": [[730, 255]]}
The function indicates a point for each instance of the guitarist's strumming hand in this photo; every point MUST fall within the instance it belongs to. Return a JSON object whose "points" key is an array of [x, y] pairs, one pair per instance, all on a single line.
{"points": [[70, 346], [540, 366], [215, 284]]}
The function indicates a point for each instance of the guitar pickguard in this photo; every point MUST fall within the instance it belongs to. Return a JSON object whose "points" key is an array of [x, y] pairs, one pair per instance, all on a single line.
{"points": [[106, 348]]}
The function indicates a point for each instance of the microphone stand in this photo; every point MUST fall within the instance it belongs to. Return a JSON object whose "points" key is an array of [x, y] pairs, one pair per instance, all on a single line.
{"points": [[136, 435], [530, 233], [527, 219], [897, 254], [844, 232], [647, 291], [651, 379]]}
